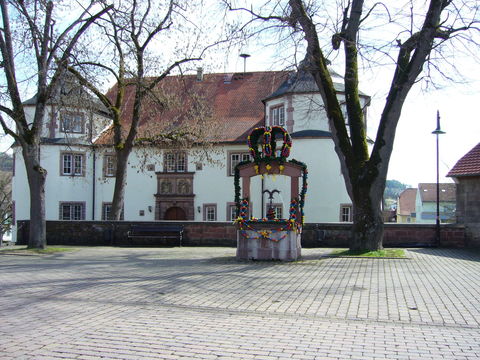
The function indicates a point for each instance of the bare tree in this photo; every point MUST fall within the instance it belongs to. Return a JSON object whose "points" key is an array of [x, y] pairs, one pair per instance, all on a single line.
{"points": [[133, 30], [33, 38], [411, 47], [5, 203]]}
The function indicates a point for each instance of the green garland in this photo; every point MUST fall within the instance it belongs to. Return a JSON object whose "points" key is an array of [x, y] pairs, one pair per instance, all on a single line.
{"points": [[303, 192], [236, 182]]}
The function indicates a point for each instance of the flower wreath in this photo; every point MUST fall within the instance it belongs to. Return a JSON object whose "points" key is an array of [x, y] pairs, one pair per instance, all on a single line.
{"points": [[268, 134]]}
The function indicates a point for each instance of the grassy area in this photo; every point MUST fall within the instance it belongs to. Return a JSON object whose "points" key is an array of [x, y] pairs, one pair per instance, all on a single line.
{"points": [[48, 250], [388, 253]]}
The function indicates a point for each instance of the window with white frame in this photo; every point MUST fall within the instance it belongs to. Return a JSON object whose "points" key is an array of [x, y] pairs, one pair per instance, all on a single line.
{"points": [[231, 212], [107, 212], [72, 211], [234, 159], [277, 116], [175, 162], [210, 212], [72, 123], [277, 208], [109, 165], [345, 213], [72, 164]]}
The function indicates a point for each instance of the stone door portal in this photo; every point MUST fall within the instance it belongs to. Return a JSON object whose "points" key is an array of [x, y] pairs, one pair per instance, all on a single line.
{"points": [[175, 197], [175, 213]]}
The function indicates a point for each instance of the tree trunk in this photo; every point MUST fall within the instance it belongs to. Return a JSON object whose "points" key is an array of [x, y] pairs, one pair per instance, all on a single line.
{"points": [[120, 182], [367, 228], [36, 179]]}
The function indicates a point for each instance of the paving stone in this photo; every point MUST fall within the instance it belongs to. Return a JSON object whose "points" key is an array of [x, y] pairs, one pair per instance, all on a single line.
{"points": [[120, 303]]}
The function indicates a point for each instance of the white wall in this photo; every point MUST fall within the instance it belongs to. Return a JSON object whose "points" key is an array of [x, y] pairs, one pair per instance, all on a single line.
{"points": [[57, 189], [326, 190], [308, 111], [20, 192], [326, 187]]}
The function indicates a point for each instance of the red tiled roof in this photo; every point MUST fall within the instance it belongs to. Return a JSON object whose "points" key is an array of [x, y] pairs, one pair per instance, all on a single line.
{"points": [[468, 165], [406, 202], [428, 192], [236, 104]]}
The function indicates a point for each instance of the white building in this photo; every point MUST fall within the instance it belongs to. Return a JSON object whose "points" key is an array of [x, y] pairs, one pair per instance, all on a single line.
{"points": [[426, 203], [178, 185]]}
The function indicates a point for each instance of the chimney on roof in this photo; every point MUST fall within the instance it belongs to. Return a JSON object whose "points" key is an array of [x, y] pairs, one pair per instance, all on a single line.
{"points": [[200, 73]]}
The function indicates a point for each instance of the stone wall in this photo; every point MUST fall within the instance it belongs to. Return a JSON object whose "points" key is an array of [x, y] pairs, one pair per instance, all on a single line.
{"points": [[114, 233], [395, 235], [468, 208]]}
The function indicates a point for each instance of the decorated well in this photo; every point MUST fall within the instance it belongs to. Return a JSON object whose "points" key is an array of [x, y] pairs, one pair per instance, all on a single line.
{"points": [[270, 238]]}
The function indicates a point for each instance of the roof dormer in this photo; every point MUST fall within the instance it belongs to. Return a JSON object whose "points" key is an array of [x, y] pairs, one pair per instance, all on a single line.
{"points": [[71, 114]]}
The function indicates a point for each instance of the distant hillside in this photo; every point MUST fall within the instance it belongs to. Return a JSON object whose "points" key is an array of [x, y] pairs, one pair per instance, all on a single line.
{"points": [[6, 162], [393, 188]]}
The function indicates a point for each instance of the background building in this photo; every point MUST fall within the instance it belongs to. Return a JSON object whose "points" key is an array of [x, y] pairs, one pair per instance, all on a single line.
{"points": [[180, 184], [426, 203], [406, 212], [466, 174]]}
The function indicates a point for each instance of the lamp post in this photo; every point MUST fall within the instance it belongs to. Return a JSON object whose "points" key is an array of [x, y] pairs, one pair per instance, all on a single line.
{"points": [[437, 132]]}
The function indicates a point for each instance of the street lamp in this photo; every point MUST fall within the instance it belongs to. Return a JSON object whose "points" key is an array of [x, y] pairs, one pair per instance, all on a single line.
{"points": [[437, 132], [244, 56]]}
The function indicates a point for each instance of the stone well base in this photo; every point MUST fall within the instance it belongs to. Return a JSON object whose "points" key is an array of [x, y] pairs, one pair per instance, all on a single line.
{"points": [[251, 246]]}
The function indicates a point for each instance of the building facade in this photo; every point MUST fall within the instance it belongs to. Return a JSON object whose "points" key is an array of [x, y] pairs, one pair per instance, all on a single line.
{"points": [[426, 203], [406, 212], [180, 184]]}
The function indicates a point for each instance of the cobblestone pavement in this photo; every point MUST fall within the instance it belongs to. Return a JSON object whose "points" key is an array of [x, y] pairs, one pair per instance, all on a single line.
{"points": [[200, 303]]}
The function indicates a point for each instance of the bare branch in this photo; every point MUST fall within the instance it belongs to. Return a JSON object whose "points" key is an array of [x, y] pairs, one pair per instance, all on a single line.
{"points": [[255, 15], [73, 41], [385, 7], [100, 65], [6, 128], [168, 71], [84, 82], [7, 111], [160, 26], [34, 31]]}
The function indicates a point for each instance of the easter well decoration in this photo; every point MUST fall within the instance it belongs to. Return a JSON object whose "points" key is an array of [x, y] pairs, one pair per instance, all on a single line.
{"points": [[269, 237]]}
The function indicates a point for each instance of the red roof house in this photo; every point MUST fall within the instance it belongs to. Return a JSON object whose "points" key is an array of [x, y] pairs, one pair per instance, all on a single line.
{"points": [[468, 165], [466, 174], [406, 205]]}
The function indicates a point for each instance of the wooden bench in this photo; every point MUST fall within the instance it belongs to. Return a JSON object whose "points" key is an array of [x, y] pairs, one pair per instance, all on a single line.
{"points": [[157, 231]]}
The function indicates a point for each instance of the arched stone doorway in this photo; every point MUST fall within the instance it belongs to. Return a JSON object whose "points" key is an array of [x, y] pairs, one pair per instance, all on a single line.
{"points": [[174, 198], [175, 213]]}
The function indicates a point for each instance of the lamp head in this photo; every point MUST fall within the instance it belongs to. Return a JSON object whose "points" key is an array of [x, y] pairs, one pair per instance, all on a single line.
{"points": [[438, 131]]}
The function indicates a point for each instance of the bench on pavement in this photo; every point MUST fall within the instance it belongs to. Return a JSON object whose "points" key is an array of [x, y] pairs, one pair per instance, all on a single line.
{"points": [[157, 231]]}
